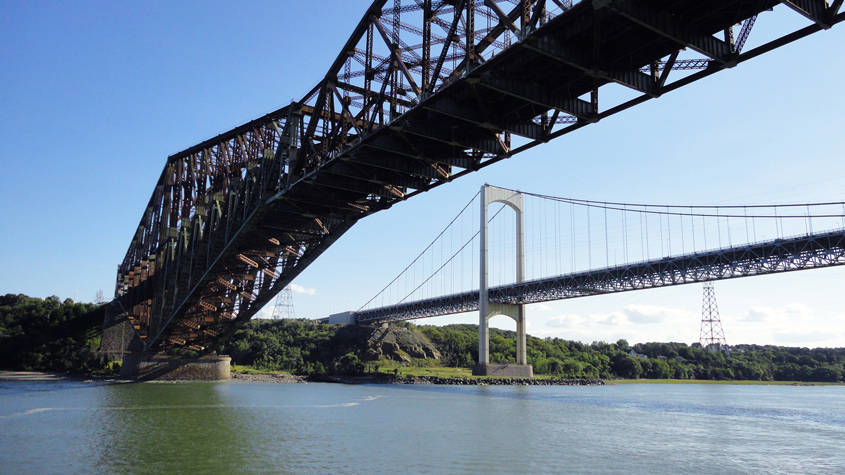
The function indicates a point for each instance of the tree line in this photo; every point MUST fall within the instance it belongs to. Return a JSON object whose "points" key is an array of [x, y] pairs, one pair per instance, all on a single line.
{"points": [[458, 345], [308, 347], [50, 334]]}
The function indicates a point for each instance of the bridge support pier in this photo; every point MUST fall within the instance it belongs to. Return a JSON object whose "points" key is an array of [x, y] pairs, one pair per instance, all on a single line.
{"points": [[487, 309], [146, 367]]}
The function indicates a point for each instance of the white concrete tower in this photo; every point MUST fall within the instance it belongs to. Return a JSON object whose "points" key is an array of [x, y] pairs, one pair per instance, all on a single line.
{"points": [[492, 194]]}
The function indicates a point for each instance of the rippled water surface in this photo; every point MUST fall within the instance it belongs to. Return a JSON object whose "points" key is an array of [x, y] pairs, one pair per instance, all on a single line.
{"points": [[261, 427]]}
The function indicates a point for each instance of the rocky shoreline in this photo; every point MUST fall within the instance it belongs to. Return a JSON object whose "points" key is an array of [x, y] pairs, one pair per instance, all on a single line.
{"points": [[455, 381], [268, 378]]}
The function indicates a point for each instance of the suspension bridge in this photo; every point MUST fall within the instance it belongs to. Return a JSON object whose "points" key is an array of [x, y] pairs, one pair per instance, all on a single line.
{"points": [[621, 246], [422, 93]]}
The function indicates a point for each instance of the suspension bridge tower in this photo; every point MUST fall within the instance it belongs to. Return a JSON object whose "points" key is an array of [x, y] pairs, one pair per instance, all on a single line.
{"points": [[711, 334], [487, 309]]}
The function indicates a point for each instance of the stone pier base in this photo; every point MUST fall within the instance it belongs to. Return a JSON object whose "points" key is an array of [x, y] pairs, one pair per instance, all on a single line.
{"points": [[504, 370], [169, 368]]}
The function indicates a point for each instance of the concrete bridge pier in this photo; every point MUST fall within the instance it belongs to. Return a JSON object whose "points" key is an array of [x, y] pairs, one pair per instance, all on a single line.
{"points": [[121, 343], [492, 194], [147, 367]]}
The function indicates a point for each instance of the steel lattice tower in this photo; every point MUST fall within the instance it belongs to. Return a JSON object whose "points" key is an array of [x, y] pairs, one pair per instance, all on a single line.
{"points": [[711, 326], [284, 305]]}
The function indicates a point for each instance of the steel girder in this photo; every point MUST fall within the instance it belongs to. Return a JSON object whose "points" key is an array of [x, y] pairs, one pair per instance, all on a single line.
{"points": [[782, 255], [420, 94]]}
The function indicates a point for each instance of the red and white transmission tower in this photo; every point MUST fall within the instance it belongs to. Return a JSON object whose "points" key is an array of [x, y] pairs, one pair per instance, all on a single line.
{"points": [[711, 327]]}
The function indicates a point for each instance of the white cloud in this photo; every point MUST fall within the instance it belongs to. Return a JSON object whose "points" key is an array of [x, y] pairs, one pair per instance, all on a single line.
{"points": [[615, 319], [805, 338], [266, 312], [756, 314], [652, 313], [298, 289], [792, 312], [781, 323], [636, 323], [564, 321]]}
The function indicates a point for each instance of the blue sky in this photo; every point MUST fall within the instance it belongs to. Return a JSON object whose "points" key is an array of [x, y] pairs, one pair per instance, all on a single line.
{"points": [[95, 95]]}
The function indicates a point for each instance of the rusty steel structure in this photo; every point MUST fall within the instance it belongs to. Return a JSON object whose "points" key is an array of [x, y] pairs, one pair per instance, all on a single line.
{"points": [[423, 92]]}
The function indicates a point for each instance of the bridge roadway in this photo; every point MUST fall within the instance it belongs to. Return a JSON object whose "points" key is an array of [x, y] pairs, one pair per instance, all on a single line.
{"points": [[402, 109], [782, 255]]}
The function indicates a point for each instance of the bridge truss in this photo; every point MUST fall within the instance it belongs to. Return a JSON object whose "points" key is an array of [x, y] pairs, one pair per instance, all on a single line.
{"points": [[781, 255], [421, 93]]}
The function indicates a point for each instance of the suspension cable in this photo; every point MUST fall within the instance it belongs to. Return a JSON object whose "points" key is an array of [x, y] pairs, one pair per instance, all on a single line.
{"points": [[449, 260], [423, 251], [627, 207]]}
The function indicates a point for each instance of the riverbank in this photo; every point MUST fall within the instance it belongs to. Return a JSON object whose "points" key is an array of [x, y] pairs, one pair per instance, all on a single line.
{"points": [[257, 377], [722, 381], [457, 381], [34, 376]]}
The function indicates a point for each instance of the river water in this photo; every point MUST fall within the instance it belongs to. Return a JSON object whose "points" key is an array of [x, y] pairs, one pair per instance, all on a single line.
{"points": [[61, 427]]}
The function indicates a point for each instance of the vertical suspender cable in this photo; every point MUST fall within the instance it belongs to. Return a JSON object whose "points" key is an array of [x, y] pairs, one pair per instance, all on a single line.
{"points": [[692, 228], [719, 227], [683, 244], [745, 212], [728, 225], [809, 221], [606, 244], [589, 241], [754, 227], [668, 233], [647, 242], [572, 233]]}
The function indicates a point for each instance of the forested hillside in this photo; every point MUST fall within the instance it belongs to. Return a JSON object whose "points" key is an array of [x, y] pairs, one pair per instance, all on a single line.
{"points": [[49, 334], [458, 346], [306, 347]]}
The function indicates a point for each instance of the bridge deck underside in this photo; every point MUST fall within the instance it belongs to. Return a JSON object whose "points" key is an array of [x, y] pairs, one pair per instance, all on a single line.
{"points": [[216, 244], [807, 252]]}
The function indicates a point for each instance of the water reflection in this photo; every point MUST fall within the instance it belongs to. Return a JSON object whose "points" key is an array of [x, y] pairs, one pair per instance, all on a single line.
{"points": [[155, 427], [206, 427]]}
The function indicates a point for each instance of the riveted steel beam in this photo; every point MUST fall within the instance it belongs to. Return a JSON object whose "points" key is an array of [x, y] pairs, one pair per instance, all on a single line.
{"points": [[671, 27], [450, 107], [557, 50], [813, 10], [535, 93]]}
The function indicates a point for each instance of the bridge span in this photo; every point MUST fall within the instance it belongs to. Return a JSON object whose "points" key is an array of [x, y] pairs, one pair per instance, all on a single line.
{"points": [[420, 94], [770, 257], [691, 259]]}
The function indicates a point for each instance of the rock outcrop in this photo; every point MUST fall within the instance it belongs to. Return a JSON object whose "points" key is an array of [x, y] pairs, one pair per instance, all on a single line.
{"points": [[400, 344]]}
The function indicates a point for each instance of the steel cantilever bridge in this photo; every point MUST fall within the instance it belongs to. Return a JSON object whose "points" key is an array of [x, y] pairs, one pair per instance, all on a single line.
{"points": [[423, 92]]}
